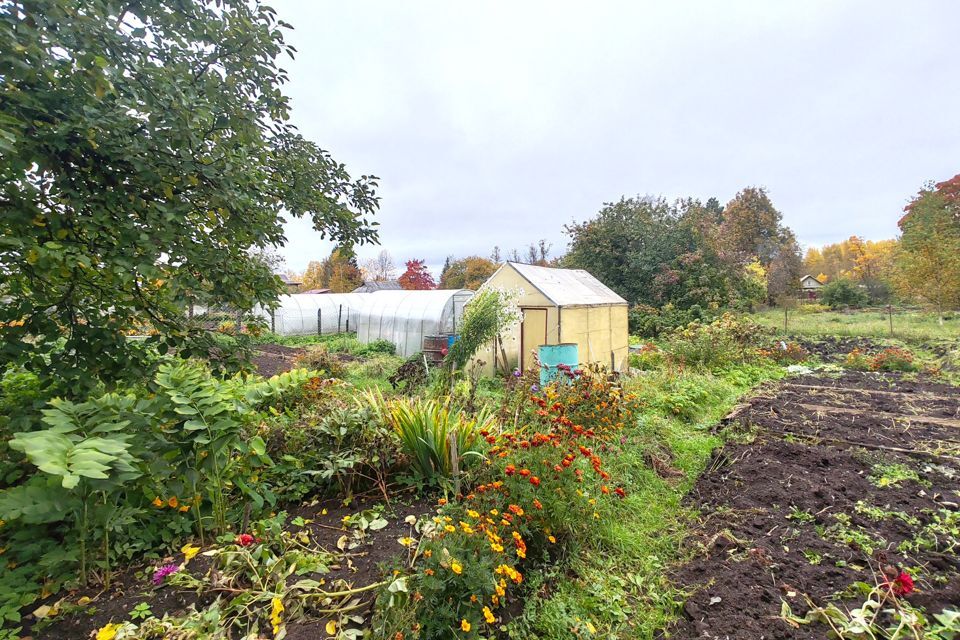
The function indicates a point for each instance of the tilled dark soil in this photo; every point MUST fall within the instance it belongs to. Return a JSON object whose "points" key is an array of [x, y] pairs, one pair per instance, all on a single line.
{"points": [[271, 359], [796, 511]]}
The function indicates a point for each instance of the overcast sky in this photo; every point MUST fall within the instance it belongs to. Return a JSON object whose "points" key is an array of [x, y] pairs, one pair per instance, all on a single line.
{"points": [[496, 123]]}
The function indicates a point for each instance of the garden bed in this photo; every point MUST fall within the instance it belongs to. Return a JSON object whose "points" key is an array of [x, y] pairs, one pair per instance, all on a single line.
{"points": [[364, 561], [794, 511]]}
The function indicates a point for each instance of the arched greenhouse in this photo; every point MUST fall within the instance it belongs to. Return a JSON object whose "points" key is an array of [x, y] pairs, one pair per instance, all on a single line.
{"points": [[312, 314], [405, 318], [401, 317]]}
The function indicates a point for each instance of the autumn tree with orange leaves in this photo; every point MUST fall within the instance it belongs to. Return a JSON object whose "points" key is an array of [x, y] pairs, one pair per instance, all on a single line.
{"points": [[929, 256]]}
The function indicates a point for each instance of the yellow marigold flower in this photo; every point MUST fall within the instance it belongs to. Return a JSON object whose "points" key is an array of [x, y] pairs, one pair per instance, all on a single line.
{"points": [[450, 528], [473, 597], [552, 539], [473, 514], [500, 591], [496, 547], [405, 541], [157, 502], [456, 567], [488, 615], [494, 512], [184, 508], [427, 553], [465, 625], [466, 527]]}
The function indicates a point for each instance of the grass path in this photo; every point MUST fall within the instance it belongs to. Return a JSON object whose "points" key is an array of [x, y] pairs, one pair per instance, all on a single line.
{"points": [[615, 584]]}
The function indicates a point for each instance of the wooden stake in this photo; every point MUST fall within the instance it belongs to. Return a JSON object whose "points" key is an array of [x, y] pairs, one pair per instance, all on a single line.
{"points": [[454, 462]]}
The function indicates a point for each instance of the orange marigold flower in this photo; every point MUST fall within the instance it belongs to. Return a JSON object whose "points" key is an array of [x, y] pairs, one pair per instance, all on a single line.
{"points": [[465, 625], [537, 504], [535, 481], [173, 502], [524, 472], [157, 502]]}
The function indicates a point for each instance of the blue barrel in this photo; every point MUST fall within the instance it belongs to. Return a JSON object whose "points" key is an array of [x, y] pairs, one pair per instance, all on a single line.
{"points": [[451, 340], [553, 354]]}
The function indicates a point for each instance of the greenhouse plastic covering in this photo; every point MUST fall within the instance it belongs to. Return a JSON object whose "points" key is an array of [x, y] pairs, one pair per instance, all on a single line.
{"points": [[406, 317], [401, 317], [302, 314]]}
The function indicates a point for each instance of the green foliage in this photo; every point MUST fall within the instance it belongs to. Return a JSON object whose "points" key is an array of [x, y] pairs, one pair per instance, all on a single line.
{"points": [[146, 147], [727, 340], [488, 314], [881, 616], [929, 259], [844, 293], [331, 441], [425, 428], [120, 473], [466, 273], [649, 322]]}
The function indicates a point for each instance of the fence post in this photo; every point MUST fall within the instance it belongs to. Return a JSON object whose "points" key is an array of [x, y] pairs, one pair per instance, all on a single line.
{"points": [[454, 462], [890, 315]]}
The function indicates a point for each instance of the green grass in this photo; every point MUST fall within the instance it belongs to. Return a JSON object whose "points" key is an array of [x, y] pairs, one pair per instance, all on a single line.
{"points": [[616, 581], [911, 326]]}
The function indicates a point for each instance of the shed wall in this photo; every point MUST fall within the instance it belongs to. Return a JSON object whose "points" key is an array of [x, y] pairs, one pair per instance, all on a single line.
{"points": [[598, 330]]}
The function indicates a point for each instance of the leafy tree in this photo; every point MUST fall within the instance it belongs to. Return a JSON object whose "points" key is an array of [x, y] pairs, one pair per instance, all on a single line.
{"points": [[467, 273], [146, 155], [844, 292], [341, 271], [929, 256], [751, 227], [417, 277]]}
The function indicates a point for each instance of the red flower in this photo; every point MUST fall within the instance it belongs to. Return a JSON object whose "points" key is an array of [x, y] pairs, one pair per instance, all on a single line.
{"points": [[510, 470], [537, 504], [244, 539], [902, 585], [535, 481], [620, 492], [524, 472]]}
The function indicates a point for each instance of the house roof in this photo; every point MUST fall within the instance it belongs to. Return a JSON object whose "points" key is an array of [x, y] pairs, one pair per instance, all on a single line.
{"points": [[369, 286], [287, 281], [808, 279], [567, 287], [316, 291]]}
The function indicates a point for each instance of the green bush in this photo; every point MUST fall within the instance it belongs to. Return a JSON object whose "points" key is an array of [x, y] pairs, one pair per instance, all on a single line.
{"points": [[116, 475], [424, 428], [646, 321], [727, 340], [844, 293]]}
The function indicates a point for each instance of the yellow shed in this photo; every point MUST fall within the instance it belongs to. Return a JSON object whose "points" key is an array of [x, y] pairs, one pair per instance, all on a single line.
{"points": [[562, 306]]}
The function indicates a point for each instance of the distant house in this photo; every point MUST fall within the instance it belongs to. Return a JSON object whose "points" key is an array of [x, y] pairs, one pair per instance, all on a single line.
{"points": [[289, 282], [810, 287], [316, 291], [369, 286]]}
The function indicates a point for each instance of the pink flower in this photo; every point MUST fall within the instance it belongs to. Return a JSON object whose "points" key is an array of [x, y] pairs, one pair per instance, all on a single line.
{"points": [[162, 572]]}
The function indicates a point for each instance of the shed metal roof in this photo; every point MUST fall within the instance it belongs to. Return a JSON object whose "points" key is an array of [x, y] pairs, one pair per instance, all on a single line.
{"points": [[567, 287]]}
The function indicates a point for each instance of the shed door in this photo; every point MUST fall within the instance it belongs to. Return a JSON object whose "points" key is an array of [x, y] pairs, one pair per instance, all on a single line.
{"points": [[533, 333]]}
